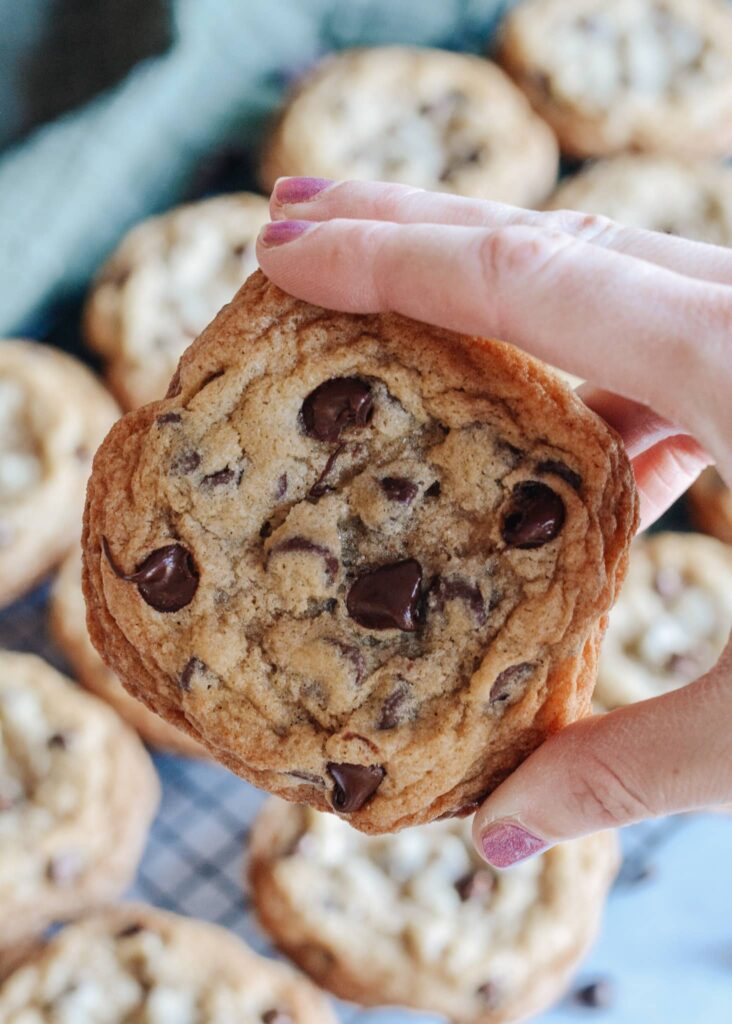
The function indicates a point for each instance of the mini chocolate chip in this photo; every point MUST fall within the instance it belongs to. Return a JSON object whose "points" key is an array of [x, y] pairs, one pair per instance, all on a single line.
{"points": [[168, 417], [393, 706], [265, 530], [167, 579], [219, 479], [281, 489], [489, 995], [64, 868], [387, 597], [460, 590], [303, 544], [668, 582], [60, 740], [434, 490], [175, 387], [129, 930], [186, 462], [276, 1017], [475, 885], [534, 516], [192, 666], [501, 689], [336, 404], [309, 777], [598, 995], [562, 470], [398, 488], [355, 784], [320, 486]]}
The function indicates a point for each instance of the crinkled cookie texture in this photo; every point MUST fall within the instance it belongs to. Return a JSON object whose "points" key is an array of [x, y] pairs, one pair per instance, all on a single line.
{"points": [[77, 795], [438, 120], [137, 963], [710, 504], [672, 620], [648, 75], [53, 414], [417, 918], [167, 279], [366, 561], [68, 625], [680, 197]]}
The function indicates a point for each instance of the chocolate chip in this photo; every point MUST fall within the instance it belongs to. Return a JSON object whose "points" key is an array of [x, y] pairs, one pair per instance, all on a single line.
{"points": [[352, 654], [60, 741], [64, 868], [562, 470], [398, 488], [276, 1017], [129, 930], [167, 580], [489, 995], [457, 589], [355, 784], [303, 544], [219, 479], [475, 885], [320, 486], [281, 489], [387, 597], [336, 404], [434, 490], [168, 417], [506, 680], [192, 666], [82, 453], [685, 666], [534, 516], [309, 777], [598, 995], [186, 462], [668, 583], [393, 707], [265, 530]]}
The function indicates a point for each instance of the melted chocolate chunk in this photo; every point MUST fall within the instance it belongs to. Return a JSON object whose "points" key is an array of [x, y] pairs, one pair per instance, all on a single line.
{"points": [[64, 868], [336, 404], [355, 784], [281, 488], [475, 885], [460, 590], [129, 931], [168, 417], [186, 462], [192, 666], [562, 470], [392, 710], [598, 995], [320, 487], [387, 597], [167, 580], [303, 544], [501, 689], [535, 515], [276, 1017], [219, 479], [434, 490], [398, 488]]}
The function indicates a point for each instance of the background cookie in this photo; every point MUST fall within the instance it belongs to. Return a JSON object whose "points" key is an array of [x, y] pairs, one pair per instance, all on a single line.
{"points": [[355, 548], [68, 624], [135, 962], [653, 75], [710, 502], [77, 794], [428, 118], [166, 281], [672, 619], [418, 919], [53, 414]]}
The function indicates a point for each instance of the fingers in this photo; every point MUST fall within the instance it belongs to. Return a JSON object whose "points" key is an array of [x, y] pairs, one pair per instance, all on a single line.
{"points": [[317, 199], [653, 758]]}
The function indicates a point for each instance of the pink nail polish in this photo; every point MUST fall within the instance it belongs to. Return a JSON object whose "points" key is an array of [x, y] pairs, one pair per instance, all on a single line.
{"points": [[505, 843], [299, 190], [281, 231]]}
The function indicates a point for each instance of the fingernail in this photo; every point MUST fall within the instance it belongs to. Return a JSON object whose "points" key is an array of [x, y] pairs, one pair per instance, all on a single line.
{"points": [[505, 843], [299, 190], [281, 231]]}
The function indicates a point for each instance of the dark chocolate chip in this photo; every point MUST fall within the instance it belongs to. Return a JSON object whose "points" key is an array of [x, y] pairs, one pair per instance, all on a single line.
{"points": [[392, 710], [387, 597], [598, 995], [265, 530], [475, 885], [562, 470], [281, 489], [460, 590], [186, 462], [276, 1017], [398, 488], [219, 479], [60, 740], [320, 486], [336, 404], [175, 387], [303, 544], [309, 777], [129, 930], [668, 583], [64, 868], [192, 666], [501, 689], [434, 490], [534, 516], [355, 784], [167, 580], [489, 995], [168, 417]]}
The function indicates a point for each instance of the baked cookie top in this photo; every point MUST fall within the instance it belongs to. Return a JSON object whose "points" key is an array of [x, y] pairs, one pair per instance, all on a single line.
{"points": [[430, 118], [418, 918], [651, 75], [53, 414], [672, 620], [137, 963], [68, 625], [77, 794], [686, 198], [363, 559], [167, 279]]}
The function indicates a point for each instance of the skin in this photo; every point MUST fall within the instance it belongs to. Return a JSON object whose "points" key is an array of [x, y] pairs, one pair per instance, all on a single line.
{"points": [[648, 319]]}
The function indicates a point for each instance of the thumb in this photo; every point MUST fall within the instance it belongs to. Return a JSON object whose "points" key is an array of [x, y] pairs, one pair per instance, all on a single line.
{"points": [[660, 756]]}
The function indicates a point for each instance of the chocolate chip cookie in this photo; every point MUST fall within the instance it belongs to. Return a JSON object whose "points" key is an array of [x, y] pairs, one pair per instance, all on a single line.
{"points": [[672, 620], [648, 75], [77, 795], [438, 120], [68, 625], [137, 963], [710, 504], [365, 561], [417, 918], [169, 276], [679, 197], [53, 414]]}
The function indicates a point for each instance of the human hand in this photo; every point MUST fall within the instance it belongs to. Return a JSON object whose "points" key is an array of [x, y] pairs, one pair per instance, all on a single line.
{"points": [[647, 318]]}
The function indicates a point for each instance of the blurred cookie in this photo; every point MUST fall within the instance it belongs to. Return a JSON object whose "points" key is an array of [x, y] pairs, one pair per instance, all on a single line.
{"points": [[686, 198], [77, 795], [167, 279], [649, 75], [672, 619], [137, 963], [68, 625], [417, 918], [710, 505], [53, 414], [437, 120]]}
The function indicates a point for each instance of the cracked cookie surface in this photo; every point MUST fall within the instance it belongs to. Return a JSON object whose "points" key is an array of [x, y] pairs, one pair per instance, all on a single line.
{"points": [[167, 279], [77, 795], [365, 561], [419, 919], [648, 75], [429, 118], [136, 963]]}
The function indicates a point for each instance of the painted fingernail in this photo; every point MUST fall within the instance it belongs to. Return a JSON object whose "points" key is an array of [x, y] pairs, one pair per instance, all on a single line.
{"points": [[299, 190], [505, 843], [281, 231]]}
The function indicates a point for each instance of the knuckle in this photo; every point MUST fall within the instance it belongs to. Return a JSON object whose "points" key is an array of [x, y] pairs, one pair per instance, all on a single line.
{"points": [[605, 796], [587, 227], [518, 251]]}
